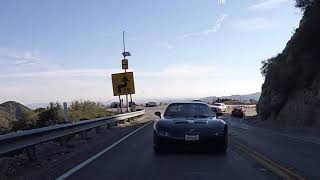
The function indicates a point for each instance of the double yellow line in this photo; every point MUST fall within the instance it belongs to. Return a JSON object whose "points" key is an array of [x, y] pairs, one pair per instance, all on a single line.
{"points": [[267, 163]]}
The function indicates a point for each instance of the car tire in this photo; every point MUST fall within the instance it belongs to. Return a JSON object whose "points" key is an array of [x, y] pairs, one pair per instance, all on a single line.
{"points": [[156, 146], [156, 150], [222, 146]]}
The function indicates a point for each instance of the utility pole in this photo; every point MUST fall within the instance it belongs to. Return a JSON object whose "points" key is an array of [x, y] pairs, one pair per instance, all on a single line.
{"points": [[125, 67]]}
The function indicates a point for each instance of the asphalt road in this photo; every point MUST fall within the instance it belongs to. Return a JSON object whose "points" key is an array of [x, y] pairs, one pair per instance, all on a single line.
{"points": [[134, 159], [296, 153]]}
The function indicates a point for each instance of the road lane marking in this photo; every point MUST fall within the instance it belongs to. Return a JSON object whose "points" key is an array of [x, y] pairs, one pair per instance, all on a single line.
{"points": [[267, 163], [79, 166], [310, 140]]}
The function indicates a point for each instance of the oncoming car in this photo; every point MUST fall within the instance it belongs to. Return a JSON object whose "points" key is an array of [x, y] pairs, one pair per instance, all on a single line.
{"points": [[186, 125], [221, 106], [151, 104], [238, 112], [216, 110]]}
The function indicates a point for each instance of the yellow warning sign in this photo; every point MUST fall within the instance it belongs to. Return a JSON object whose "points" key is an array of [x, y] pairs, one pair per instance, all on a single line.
{"points": [[123, 83]]}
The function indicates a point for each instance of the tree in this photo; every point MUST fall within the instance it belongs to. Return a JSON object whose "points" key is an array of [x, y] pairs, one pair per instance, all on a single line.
{"points": [[53, 114], [27, 121], [4, 125], [303, 4], [87, 110], [39, 110], [266, 64]]}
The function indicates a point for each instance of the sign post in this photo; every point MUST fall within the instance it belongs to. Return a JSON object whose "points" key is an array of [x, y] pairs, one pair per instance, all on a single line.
{"points": [[123, 83], [125, 65], [65, 112]]}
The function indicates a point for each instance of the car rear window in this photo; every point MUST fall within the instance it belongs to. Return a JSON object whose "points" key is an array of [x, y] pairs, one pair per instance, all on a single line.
{"points": [[188, 110]]}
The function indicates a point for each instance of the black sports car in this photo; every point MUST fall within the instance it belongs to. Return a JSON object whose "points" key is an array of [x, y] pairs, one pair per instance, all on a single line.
{"points": [[188, 125]]}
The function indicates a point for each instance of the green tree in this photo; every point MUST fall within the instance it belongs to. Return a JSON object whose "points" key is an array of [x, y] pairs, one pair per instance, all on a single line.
{"points": [[303, 4], [53, 114], [87, 110], [4, 125], [27, 121]]}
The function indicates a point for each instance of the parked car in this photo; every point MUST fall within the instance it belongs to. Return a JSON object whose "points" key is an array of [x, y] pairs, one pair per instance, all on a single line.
{"points": [[151, 104], [114, 105], [221, 106], [238, 112], [189, 125]]}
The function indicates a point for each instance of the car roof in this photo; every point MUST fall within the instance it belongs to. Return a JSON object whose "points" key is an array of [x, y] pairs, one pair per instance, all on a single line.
{"points": [[195, 102]]}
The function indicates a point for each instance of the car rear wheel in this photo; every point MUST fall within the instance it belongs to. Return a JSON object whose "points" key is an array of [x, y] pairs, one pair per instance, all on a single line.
{"points": [[156, 146], [222, 146], [242, 115]]}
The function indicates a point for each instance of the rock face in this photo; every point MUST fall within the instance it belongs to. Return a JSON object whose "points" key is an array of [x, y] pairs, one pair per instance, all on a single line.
{"points": [[291, 91]]}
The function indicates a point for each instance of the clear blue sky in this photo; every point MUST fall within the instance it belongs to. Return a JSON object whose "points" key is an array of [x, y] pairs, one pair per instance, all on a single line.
{"points": [[66, 50]]}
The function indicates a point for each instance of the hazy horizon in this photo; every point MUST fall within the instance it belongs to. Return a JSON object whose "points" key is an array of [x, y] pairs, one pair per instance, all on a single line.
{"points": [[34, 105]]}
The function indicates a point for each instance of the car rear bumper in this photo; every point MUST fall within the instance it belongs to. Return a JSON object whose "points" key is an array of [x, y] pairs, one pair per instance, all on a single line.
{"points": [[208, 142], [237, 114]]}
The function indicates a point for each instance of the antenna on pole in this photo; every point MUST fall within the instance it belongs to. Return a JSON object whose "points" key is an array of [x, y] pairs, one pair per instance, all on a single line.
{"points": [[125, 53], [124, 44]]}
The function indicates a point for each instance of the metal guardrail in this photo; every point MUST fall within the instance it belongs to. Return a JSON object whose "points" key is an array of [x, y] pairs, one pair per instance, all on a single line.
{"points": [[24, 139], [244, 106]]}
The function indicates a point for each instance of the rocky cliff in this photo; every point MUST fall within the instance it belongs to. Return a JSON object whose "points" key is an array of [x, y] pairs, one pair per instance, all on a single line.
{"points": [[291, 91]]}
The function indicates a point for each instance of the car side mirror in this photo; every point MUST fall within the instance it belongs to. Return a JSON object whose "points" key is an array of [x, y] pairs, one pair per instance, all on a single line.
{"points": [[158, 114]]}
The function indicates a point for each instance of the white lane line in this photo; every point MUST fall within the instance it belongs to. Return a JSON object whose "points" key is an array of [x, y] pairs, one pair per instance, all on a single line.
{"points": [[73, 170]]}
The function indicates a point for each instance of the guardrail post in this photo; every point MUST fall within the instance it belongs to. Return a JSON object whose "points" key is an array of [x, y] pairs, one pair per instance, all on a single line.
{"points": [[83, 134], [65, 112], [63, 141], [109, 126], [31, 152], [98, 130]]}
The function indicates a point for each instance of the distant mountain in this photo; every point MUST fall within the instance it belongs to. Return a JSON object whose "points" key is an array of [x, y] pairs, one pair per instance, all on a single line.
{"points": [[37, 105], [14, 109], [245, 97]]}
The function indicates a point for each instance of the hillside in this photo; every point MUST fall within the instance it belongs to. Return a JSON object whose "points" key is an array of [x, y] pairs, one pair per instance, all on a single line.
{"points": [[6, 121], [291, 91], [13, 115], [14, 109], [244, 97]]}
